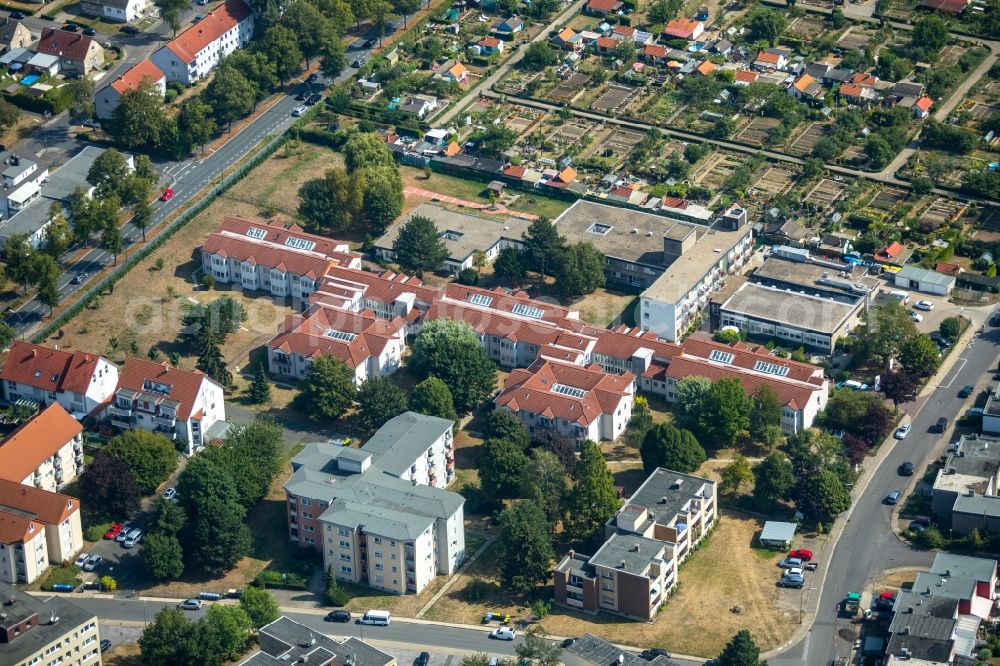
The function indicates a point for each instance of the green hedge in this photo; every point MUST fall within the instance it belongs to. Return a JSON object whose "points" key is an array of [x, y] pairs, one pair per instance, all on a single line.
{"points": [[333, 140], [54, 105], [281, 580]]}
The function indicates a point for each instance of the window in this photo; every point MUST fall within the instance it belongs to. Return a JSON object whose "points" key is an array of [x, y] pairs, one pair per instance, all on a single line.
{"points": [[343, 336], [345, 570], [607, 574], [299, 243], [306, 502], [481, 299], [378, 553], [345, 557], [377, 539], [600, 229], [721, 356], [771, 368], [527, 311], [378, 566], [562, 389], [345, 544], [254, 232], [343, 531]]}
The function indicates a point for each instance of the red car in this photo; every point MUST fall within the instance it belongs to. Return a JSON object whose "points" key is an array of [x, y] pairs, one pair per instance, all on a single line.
{"points": [[113, 531], [167, 195], [802, 554]]}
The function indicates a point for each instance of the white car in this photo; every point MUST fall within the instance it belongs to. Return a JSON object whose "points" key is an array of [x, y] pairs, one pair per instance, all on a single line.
{"points": [[503, 634], [93, 562], [170, 494], [916, 316], [924, 305], [299, 111], [80, 561], [902, 431], [795, 571]]}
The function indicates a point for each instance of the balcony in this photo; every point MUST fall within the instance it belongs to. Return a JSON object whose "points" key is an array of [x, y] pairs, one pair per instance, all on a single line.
{"points": [[165, 420], [77, 447], [122, 412], [168, 431]]}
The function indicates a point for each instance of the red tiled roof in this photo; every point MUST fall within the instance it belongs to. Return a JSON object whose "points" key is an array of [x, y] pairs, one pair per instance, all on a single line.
{"points": [[624, 30], [66, 45], [864, 79], [46, 507], [515, 171], [681, 27], [15, 528], [924, 103], [891, 251], [803, 82], [184, 384], [746, 76], [747, 355], [851, 90], [36, 441], [531, 389], [947, 269], [953, 6], [654, 51], [770, 58], [140, 72], [706, 68], [491, 42], [674, 202], [793, 394], [49, 369], [189, 43], [606, 43], [506, 301], [604, 5], [304, 334]]}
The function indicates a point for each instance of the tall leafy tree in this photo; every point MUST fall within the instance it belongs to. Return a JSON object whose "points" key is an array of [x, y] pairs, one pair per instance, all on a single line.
{"points": [[111, 238], [108, 173], [230, 626], [543, 244], [735, 475], [505, 424], [138, 118], [379, 399], [216, 537], [229, 95], [257, 69], [741, 651], [593, 499], [366, 149], [170, 639], [899, 387], [383, 195], [919, 354], [537, 649], [823, 496], [544, 481], [500, 464], [328, 389], [162, 556], [212, 362], [691, 394], [773, 479], [252, 454], [48, 288], [196, 122], [260, 387], [151, 456], [281, 45], [260, 606], [142, 216], [580, 270], [333, 57], [334, 202], [725, 413], [171, 10], [450, 350], [405, 8], [673, 448], [110, 488], [525, 547], [311, 27], [418, 246], [433, 398], [510, 266]]}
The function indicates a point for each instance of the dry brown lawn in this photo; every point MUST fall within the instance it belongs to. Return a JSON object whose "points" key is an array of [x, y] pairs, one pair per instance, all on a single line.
{"points": [[127, 654]]}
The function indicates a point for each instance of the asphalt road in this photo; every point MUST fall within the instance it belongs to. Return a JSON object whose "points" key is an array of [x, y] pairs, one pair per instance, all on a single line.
{"points": [[867, 545]]}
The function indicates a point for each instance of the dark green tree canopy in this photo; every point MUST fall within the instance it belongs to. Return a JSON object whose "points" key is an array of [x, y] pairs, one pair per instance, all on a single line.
{"points": [[328, 389], [525, 547], [433, 398], [672, 448], [379, 399], [450, 350], [419, 247], [151, 457]]}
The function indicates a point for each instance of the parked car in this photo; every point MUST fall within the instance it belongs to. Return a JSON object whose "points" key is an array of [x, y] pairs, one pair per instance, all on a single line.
{"points": [[81, 560], [167, 195], [93, 562], [113, 531], [71, 27], [312, 77], [906, 469], [795, 571], [503, 634], [371, 43], [803, 554], [926, 306], [338, 616], [902, 431], [170, 494], [300, 111], [568, 642], [133, 539], [90, 122], [359, 62], [17, 15], [130, 30], [301, 97], [190, 604], [893, 497], [792, 580], [916, 316], [314, 99], [790, 563], [966, 391], [422, 659], [105, 645], [79, 278], [89, 32], [653, 653], [940, 425], [122, 533]]}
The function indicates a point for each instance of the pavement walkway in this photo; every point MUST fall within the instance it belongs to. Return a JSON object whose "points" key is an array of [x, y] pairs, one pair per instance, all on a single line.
{"points": [[489, 209], [451, 581]]}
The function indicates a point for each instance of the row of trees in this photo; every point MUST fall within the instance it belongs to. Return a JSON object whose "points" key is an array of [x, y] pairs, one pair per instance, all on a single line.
{"points": [[129, 467], [364, 196], [205, 328]]}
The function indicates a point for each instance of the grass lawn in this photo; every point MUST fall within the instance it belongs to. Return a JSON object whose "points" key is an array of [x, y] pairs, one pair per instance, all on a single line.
{"points": [[68, 575], [127, 654], [607, 305]]}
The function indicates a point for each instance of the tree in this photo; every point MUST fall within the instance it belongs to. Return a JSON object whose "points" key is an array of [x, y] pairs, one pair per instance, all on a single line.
{"points": [[495, 139], [212, 363], [741, 651], [108, 173], [883, 330], [196, 121], [366, 149], [162, 556], [930, 33], [230, 629], [333, 202], [500, 464], [216, 537], [450, 350], [311, 28], [252, 454], [876, 422], [142, 216], [725, 413], [765, 416], [950, 328], [543, 481], [505, 424], [170, 11], [433, 398], [510, 267], [229, 95], [151, 457], [328, 389], [898, 386], [673, 448], [333, 57], [662, 11], [419, 246], [593, 499], [765, 24], [111, 238], [108, 486], [260, 606], [7, 335], [168, 518], [379, 399], [919, 354], [823, 496], [48, 288], [260, 387], [773, 479], [538, 56], [878, 150], [138, 118], [543, 244], [691, 394], [735, 475], [525, 547], [170, 639], [383, 195], [334, 594], [257, 69], [537, 649], [281, 46], [580, 270]]}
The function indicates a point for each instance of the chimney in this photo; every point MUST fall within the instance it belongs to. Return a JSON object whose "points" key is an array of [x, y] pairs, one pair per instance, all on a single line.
{"points": [[634, 548], [622, 564], [572, 554]]}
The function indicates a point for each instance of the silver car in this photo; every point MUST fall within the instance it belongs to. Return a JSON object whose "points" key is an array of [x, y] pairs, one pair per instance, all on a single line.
{"points": [[93, 562], [134, 537]]}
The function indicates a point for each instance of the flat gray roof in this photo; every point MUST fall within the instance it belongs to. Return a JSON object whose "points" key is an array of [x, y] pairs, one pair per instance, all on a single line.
{"points": [[643, 247], [286, 641], [812, 313], [710, 250], [977, 568], [777, 271], [70, 617], [927, 584], [971, 466], [470, 231], [919, 274], [629, 553], [589, 649], [778, 531], [664, 494], [406, 436]]}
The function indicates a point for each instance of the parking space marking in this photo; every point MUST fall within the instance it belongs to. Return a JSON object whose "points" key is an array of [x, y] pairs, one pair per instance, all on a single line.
{"points": [[954, 372]]}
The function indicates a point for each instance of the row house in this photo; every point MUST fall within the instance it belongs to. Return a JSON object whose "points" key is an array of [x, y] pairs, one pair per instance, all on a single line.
{"points": [[380, 514], [80, 382], [387, 294], [646, 542], [45, 452], [267, 256], [179, 404], [142, 73], [193, 54], [37, 528], [368, 346]]}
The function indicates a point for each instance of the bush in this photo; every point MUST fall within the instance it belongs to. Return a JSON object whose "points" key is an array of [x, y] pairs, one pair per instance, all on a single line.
{"points": [[169, 96], [208, 280], [96, 532], [334, 594], [280, 580], [930, 538], [469, 277]]}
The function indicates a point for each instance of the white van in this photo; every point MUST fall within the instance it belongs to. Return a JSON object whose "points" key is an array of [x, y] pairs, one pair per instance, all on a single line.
{"points": [[900, 296], [377, 617]]}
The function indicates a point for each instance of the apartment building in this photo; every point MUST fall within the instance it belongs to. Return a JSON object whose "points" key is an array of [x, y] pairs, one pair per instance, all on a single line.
{"points": [[46, 452], [387, 294], [37, 528], [267, 256], [964, 493], [646, 541], [589, 650], [380, 514], [193, 54], [144, 72], [577, 402], [179, 404], [368, 346], [36, 632], [78, 381], [286, 641]]}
